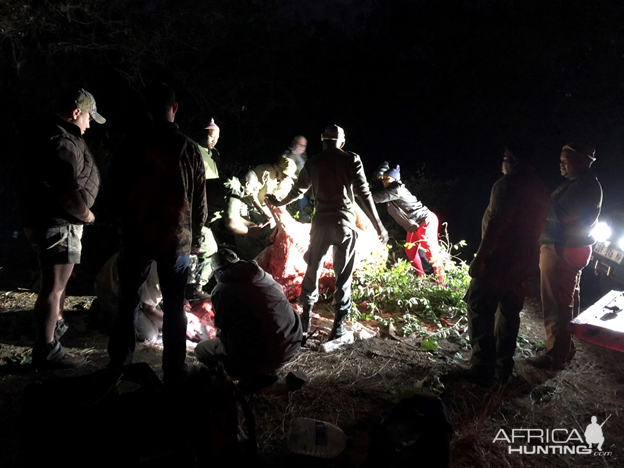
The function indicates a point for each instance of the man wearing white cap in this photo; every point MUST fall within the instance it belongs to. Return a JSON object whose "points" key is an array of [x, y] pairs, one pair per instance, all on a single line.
{"points": [[335, 176], [566, 249], [212, 159], [62, 182]]}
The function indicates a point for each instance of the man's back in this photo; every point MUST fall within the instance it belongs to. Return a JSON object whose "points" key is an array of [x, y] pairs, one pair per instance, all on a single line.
{"points": [[161, 202], [334, 176]]}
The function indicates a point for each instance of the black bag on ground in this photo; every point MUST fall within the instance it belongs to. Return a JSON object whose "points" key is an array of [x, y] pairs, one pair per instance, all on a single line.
{"points": [[416, 433], [222, 427], [102, 419]]}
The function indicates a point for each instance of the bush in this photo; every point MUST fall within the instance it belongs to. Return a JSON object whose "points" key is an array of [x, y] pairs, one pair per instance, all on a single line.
{"points": [[395, 295]]}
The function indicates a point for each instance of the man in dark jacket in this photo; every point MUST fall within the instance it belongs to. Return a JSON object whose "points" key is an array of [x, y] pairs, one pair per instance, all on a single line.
{"points": [[162, 225], [61, 184], [333, 175], [566, 249], [420, 223], [507, 256], [259, 331]]}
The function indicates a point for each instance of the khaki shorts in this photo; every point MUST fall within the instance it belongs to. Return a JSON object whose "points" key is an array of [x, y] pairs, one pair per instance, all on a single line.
{"points": [[56, 245]]}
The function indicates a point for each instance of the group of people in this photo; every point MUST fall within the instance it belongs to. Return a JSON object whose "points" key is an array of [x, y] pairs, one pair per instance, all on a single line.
{"points": [[172, 204], [524, 226]]}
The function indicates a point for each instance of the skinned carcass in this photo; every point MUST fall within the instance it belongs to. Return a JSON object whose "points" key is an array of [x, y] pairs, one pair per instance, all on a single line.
{"points": [[284, 259]]}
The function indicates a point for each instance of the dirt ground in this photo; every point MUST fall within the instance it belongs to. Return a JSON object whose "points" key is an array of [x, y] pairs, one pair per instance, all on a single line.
{"points": [[357, 385]]}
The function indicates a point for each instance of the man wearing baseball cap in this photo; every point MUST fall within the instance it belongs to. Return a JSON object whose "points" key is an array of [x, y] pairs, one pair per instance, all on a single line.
{"points": [[334, 176], [61, 183], [565, 249]]}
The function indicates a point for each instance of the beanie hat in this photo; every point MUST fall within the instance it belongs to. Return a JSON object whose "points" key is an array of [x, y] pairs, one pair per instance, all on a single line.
{"points": [[382, 168], [212, 125], [394, 173]]}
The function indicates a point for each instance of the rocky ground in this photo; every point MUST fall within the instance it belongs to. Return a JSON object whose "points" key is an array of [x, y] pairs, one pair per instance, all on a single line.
{"points": [[357, 385]]}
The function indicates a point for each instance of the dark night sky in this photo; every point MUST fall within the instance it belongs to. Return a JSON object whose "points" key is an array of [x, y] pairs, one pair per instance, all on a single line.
{"points": [[434, 84]]}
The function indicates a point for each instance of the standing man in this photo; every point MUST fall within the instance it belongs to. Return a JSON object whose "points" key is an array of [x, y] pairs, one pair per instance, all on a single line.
{"points": [[61, 184], [162, 225], [296, 152], [507, 256], [212, 159], [566, 249], [333, 175]]}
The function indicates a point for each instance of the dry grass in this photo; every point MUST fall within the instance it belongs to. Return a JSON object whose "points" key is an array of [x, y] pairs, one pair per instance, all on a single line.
{"points": [[356, 386]]}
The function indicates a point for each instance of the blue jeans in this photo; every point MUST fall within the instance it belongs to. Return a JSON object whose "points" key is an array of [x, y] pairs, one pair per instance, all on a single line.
{"points": [[134, 266]]}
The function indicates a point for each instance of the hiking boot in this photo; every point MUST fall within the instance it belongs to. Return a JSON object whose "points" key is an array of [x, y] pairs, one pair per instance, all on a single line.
{"points": [[52, 356], [339, 328], [546, 361], [60, 329]]}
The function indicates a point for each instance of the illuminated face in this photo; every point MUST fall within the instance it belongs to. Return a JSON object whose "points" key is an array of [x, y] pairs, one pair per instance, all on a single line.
{"points": [[566, 165], [213, 138], [252, 187], [300, 146], [82, 120], [386, 180], [507, 162]]}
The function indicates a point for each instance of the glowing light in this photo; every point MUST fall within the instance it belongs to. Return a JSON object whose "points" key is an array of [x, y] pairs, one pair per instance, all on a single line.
{"points": [[620, 243], [601, 232]]}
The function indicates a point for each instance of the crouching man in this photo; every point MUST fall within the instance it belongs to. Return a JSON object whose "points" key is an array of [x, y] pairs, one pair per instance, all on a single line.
{"points": [[259, 331]]}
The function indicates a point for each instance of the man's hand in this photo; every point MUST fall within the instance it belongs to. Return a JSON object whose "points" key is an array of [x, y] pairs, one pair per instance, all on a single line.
{"points": [[383, 236], [272, 199], [254, 231], [477, 267]]}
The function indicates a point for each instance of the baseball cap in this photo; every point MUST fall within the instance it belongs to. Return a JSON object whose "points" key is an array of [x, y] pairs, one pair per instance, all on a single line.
{"points": [[581, 148], [86, 103], [288, 167], [333, 132]]}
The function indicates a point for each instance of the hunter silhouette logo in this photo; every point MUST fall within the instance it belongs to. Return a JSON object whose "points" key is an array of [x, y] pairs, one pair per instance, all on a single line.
{"points": [[593, 433], [557, 441]]}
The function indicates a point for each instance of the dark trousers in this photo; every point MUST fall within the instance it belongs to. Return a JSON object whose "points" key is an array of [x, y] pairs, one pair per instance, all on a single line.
{"points": [[342, 239], [134, 266], [494, 303]]}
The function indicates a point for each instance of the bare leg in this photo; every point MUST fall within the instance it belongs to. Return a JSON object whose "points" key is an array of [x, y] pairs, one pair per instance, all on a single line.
{"points": [[54, 280]]}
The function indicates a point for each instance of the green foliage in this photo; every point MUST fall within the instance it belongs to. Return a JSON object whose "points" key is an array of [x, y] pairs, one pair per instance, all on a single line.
{"points": [[395, 294]]}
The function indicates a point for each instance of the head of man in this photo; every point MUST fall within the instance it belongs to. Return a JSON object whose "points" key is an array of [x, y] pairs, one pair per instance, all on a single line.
{"points": [[78, 107], [286, 167], [222, 261], [250, 182], [333, 137], [391, 176], [161, 102], [299, 144], [213, 133], [516, 155], [576, 159]]}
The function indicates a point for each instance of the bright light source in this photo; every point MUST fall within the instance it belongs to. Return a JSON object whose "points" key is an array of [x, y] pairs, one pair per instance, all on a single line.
{"points": [[620, 243], [601, 232]]}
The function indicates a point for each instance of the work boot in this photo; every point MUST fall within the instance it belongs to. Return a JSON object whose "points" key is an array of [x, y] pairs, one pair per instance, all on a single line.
{"points": [[339, 327], [546, 361], [52, 356], [60, 329]]}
